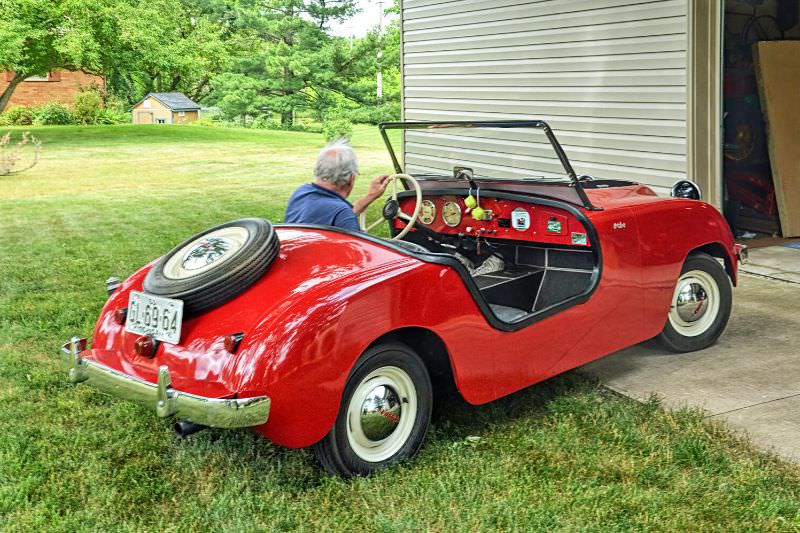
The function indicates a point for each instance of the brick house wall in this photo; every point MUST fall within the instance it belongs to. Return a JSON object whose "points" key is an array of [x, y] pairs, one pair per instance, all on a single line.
{"points": [[61, 87]]}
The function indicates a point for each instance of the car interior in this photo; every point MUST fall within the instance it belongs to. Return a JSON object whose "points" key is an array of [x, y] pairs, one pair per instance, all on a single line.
{"points": [[548, 260]]}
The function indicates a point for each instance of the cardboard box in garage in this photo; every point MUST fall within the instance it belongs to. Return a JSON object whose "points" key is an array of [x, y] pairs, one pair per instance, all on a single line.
{"points": [[777, 65]]}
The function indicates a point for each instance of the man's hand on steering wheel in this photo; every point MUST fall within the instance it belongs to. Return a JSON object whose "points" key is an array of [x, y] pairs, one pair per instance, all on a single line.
{"points": [[391, 210], [377, 186]]}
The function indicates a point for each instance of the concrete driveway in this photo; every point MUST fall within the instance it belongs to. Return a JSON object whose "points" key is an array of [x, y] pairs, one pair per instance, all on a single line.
{"points": [[750, 378]]}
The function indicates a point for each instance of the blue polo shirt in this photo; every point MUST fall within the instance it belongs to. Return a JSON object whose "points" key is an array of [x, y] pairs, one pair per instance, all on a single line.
{"points": [[312, 204]]}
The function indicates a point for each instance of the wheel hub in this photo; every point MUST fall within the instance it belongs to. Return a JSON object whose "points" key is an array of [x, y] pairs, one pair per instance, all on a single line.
{"points": [[381, 412], [692, 302]]}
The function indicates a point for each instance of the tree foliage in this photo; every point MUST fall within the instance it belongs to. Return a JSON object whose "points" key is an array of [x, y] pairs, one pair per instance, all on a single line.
{"points": [[140, 45], [247, 56], [293, 63]]}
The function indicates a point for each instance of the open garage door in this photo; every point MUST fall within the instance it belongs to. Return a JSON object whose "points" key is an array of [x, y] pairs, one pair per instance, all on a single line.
{"points": [[610, 76]]}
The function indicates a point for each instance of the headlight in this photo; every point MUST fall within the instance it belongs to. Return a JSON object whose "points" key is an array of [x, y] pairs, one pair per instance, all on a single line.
{"points": [[686, 189]]}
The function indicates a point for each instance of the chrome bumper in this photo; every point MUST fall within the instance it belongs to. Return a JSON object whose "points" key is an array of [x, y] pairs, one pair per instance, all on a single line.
{"points": [[214, 412], [742, 253]]}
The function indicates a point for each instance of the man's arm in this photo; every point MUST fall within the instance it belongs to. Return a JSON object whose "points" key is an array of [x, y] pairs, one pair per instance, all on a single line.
{"points": [[376, 188], [346, 219]]}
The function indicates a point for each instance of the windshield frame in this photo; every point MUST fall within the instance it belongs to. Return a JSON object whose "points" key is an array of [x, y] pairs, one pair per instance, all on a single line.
{"points": [[535, 124]]}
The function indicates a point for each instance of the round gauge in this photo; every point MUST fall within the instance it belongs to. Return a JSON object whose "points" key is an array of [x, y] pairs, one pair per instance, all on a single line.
{"points": [[427, 213], [451, 214]]}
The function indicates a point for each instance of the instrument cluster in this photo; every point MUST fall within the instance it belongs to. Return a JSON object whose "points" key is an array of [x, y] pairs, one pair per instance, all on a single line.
{"points": [[499, 218]]}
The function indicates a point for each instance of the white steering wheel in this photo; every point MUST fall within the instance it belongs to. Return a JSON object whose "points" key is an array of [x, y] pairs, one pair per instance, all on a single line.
{"points": [[391, 210]]}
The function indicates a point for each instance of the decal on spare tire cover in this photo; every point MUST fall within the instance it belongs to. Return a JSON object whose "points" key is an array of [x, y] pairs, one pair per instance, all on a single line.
{"points": [[520, 219]]}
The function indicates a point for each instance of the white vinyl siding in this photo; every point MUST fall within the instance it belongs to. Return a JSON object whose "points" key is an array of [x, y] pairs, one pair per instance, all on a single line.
{"points": [[608, 75]]}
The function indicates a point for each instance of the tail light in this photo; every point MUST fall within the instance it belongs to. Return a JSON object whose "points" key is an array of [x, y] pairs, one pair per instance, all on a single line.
{"points": [[120, 315], [232, 341], [145, 347]]}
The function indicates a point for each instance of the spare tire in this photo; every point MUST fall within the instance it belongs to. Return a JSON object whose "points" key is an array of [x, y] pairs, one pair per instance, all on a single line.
{"points": [[214, 266]]}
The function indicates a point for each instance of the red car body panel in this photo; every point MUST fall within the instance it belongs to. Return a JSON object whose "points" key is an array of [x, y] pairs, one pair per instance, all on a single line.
{"points": [[329, 295]]}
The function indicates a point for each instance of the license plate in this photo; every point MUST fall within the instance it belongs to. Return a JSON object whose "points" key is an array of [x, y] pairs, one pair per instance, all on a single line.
{"points": [[155, 316]]}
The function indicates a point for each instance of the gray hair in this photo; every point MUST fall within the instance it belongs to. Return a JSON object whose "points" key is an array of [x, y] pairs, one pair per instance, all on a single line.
{"points": [[336, 164]]}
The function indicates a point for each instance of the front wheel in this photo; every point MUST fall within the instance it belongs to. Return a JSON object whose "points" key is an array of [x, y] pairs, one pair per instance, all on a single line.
{"points": [[700, 307], [384, 415]]}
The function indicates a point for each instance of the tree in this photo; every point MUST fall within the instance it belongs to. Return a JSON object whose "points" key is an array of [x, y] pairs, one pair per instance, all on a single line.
{"points": [[294, 58], [239, 95], [147, 44], [37, 36], [194, 41]]}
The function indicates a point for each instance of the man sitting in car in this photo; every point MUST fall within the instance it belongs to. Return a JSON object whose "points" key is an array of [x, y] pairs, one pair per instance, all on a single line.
{"points": [[324, 201]]}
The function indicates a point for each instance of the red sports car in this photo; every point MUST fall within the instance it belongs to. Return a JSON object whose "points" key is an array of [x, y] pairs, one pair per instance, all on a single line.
{"points": [[340, 340]]}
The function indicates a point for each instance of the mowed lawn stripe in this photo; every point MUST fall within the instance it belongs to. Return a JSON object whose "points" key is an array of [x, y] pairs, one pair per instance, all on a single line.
{"points": [[565, 455]]}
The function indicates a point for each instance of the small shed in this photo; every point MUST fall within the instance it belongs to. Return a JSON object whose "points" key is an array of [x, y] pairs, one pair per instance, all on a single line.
{"points": [[165, 108]]}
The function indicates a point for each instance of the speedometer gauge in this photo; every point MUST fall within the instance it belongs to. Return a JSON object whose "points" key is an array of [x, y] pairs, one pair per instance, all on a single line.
{"points": [[451, 214], [427, 213]]}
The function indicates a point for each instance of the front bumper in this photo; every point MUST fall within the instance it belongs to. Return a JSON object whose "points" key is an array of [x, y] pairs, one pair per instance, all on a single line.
{"points": [[742, 253], [214, 412]]}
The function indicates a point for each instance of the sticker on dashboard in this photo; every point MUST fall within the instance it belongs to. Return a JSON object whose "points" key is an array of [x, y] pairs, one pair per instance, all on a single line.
{"points": [[578, 238], [520, 219]]}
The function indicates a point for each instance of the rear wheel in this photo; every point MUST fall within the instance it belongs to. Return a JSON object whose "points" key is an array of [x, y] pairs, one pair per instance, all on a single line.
{"points": [[701, 305], [384, 414]]}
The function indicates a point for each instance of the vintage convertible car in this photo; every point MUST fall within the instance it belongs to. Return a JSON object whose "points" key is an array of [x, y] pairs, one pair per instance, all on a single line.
{"points": [[340, 340]]}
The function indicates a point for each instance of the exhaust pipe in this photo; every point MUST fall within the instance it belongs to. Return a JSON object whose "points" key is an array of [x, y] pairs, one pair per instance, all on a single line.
{"points": [[184, 428]]}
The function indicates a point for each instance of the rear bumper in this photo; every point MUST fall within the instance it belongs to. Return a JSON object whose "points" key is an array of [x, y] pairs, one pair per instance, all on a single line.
{"points": [[214, 412]]}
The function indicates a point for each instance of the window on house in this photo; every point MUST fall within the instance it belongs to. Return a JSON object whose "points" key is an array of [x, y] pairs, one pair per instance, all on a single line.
{"points": [[161, 121], [147, 104], [181, 113], [46, 77]]}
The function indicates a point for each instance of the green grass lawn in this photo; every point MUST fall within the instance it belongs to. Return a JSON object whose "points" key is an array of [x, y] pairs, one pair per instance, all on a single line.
{"points": [[562, 456]]}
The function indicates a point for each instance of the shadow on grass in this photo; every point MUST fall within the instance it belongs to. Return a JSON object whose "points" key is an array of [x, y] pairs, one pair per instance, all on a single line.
{"points": [[296, 470]]}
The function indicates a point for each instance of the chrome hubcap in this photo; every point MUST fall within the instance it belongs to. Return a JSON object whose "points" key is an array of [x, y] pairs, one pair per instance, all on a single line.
{"points": [[692, 302], [380, 413], [695, 303]]}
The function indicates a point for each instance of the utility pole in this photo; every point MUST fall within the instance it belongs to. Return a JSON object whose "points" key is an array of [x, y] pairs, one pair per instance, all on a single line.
{"points": [[380, 52]]}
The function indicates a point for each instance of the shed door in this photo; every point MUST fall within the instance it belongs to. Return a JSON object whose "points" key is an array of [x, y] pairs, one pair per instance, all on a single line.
{"points": [[608, 75]]}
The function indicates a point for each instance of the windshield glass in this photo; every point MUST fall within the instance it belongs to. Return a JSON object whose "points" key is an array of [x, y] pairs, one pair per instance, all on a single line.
{"points": [[501, 150]]}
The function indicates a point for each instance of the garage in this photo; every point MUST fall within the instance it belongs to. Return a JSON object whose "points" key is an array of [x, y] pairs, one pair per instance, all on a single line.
{"points": [[653, 91]]}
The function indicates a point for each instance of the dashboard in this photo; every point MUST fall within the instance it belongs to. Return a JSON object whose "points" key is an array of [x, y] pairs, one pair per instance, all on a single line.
{"points": [[497, 218]]}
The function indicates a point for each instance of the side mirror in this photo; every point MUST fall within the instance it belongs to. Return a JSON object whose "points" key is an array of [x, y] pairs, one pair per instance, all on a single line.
{"points": [[686, 189]]}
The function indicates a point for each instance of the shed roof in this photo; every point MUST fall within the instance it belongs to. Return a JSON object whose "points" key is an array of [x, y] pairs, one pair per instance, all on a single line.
{"points": [[174, 101]]}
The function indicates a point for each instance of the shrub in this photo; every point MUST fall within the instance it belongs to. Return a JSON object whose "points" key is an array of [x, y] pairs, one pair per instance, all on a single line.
{"points": [[19, 115], [114, 111], [260, 122], [52, 114], [87, 106], [11, 155], [337, 128], [207, 122], [112, 116]]}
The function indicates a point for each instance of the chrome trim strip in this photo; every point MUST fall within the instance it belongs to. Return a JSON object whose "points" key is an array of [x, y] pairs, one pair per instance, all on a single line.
{"points": [[214, 412]]}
